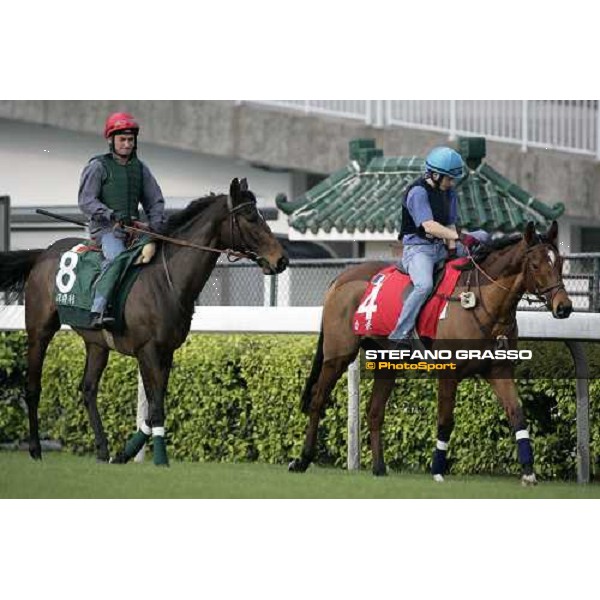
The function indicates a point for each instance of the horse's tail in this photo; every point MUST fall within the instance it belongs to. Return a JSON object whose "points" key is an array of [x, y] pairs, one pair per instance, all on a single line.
{"points": [[15, 267], [314, 374]]}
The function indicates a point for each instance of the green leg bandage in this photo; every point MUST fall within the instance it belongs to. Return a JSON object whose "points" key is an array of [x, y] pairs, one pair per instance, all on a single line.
{"points": [[135, 444], [160, 451]]}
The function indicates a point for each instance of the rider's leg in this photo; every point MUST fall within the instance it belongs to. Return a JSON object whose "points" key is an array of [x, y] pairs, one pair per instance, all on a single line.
{"points": [[112, 246], [419, 261]]}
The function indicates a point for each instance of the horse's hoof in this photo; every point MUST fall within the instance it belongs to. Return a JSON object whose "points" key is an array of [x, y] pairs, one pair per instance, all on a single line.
{"points": [[102, 457], [380, 471], [528, 480], [35, 453], [297, 466], [438, 478], [119, 459]]}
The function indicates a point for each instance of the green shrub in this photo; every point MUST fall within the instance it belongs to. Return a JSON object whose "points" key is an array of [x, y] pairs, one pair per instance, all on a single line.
{"points": [[236, 398]]}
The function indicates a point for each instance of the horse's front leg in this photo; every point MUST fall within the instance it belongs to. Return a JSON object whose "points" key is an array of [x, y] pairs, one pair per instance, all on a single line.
{"points": [[506, 391], [382, 388], [155, 367], [445, 425]]}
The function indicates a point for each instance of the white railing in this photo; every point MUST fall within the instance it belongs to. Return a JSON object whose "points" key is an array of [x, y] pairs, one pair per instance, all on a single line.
{"points": [[348, 109], [566, 125]]}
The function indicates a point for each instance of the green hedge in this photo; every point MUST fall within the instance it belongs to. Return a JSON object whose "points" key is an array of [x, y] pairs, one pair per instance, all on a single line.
{"points": [[236, 398]]}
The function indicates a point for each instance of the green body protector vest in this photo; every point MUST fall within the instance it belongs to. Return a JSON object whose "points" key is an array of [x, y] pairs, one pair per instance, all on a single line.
{"points": [[123, 188]]}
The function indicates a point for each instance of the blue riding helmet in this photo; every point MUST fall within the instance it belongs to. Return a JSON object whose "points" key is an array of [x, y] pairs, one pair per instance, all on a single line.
{"points": [[445, 161]]}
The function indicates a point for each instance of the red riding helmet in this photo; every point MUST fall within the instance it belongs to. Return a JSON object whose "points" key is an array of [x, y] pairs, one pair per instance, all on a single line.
{"points": [[120, 122]]}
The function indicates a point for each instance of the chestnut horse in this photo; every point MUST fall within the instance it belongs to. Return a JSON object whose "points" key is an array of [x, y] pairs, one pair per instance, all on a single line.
{"points": [[509, 268], [158, 309]]}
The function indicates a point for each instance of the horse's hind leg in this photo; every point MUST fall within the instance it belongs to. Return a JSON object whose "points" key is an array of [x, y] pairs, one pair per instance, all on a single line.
{"points": [[445, 424], [37, 344], [96, 359], [506, 390], [331, 371], [382, 388]]}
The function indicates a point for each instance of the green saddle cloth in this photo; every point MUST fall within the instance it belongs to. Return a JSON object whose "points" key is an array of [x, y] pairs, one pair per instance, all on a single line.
{"points": [[79, 276]]}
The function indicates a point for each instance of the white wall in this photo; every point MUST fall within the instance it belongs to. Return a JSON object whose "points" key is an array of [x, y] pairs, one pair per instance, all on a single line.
{"points": [[41, 166]]}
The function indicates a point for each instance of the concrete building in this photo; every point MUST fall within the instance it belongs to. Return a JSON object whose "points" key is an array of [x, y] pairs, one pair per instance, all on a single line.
{"points": [[195, 147]]}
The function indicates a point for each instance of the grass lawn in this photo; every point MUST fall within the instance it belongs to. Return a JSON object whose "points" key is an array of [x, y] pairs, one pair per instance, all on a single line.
{"points": [[62, 475]]}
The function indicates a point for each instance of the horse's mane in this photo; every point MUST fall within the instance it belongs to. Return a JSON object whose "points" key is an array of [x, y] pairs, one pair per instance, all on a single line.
{"points": [[186, 215]]}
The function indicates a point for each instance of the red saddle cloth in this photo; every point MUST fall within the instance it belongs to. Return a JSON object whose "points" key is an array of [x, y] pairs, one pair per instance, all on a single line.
{"points": [[381, 303]]}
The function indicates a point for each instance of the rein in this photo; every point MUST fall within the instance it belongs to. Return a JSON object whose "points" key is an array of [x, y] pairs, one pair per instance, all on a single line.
{"points": [[229, 252], [481, 270]]}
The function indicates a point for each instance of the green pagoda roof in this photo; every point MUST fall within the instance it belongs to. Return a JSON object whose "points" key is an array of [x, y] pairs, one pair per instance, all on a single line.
{"points": [[366, 195]]}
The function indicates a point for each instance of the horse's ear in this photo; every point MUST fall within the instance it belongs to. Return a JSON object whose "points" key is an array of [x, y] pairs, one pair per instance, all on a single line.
{"points": [[234, 189], [552, 234], [529, 235], [244, 185]]}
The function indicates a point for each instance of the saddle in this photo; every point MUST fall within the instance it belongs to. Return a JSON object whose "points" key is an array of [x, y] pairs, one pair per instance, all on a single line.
{"points": [[383, 299], [79, 276]]}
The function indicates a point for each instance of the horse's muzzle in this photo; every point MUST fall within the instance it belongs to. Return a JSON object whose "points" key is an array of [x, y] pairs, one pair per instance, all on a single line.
{"points": [[563, 310], [269, 269]]}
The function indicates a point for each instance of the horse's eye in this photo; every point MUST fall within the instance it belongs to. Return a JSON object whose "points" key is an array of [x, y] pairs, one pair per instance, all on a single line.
{"points": [[535, 266]]}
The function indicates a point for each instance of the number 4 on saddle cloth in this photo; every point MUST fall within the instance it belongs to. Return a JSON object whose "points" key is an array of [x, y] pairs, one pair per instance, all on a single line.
{"points": [[79, 274], [381, 303]]}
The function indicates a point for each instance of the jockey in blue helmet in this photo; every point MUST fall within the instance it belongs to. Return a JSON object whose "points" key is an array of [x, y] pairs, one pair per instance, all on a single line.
{"points": [[428, 233]]}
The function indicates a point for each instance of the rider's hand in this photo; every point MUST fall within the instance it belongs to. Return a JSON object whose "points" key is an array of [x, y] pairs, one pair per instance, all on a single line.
{"points": [[468, 240], [116, 223], [141, 225], [452, 253]]}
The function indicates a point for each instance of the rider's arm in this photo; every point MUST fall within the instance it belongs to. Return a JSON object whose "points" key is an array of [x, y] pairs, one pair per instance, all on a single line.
{"points": [[90, 186], [440, 231], [153, 201], [419, 208], [451, 244]]}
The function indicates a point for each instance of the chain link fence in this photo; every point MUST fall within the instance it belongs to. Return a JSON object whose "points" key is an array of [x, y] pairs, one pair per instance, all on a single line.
{"points": [[305, 282]]}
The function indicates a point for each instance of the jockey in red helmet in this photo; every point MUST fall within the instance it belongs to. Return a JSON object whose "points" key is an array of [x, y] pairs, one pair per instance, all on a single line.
{"points": [[121, 123], [112, 187]]}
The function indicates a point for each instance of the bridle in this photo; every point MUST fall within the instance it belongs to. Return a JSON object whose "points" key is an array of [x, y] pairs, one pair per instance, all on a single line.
{"points": [[233, 224], [545, 295]]}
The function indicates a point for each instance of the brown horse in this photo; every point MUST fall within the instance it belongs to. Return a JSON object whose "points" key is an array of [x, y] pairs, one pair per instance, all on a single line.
{"points": [[158, 310], [510, 268]]}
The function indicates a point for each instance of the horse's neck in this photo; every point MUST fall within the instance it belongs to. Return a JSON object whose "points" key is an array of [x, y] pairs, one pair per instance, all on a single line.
{"points": [[190, 268], [501, 300]]}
